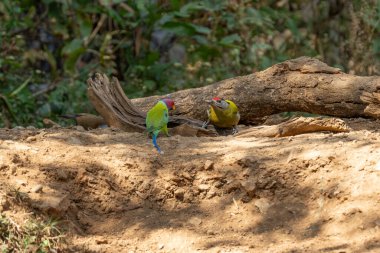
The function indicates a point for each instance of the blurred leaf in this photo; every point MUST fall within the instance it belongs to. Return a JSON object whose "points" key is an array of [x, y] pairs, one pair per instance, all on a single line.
{"points": [[201, 29], [71, 60], [21, 87], [230, 40], [149, 85], [179, 28], [293, 28], [115, 16], [9, 107], [141, 7], [85, 26], [44, 110], [72, 47], [376, 46], [191, 8], [202, 40], [151, 58]]}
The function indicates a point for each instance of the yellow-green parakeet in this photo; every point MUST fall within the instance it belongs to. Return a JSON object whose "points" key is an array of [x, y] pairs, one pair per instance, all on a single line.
{"points": [[223, 114], [157, 119]]}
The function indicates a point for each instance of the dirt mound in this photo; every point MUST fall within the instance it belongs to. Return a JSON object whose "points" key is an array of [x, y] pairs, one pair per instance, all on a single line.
{"points": [[113, 193]]}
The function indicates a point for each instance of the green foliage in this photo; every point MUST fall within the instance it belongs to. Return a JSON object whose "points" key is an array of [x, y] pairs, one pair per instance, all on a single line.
{"points": [[34, 236], [49, 48]]}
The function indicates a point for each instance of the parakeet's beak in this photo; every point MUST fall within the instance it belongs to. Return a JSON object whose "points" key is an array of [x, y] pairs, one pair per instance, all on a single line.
{"points": [[208, 101]]}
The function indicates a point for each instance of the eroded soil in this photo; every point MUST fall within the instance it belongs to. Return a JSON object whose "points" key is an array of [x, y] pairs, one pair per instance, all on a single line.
{"points": [[315, 192]]}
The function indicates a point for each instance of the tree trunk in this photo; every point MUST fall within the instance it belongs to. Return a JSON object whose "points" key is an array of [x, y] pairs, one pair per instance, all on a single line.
{"points": [[303, 84]]}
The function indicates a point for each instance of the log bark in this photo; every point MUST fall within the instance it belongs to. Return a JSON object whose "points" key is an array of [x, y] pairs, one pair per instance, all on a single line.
{"points": [[304, 84], [295, 126]]}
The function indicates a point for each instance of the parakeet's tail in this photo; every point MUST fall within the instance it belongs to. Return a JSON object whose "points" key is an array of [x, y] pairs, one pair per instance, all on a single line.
{"points": [[155, 144]]}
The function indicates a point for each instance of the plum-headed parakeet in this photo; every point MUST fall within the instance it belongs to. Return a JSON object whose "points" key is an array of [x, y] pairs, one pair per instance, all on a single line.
{"points": [[157, 119], [223, 114]]}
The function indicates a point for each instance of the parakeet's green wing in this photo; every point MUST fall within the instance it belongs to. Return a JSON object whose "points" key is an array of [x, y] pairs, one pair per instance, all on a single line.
{"points": [[157, 118]]}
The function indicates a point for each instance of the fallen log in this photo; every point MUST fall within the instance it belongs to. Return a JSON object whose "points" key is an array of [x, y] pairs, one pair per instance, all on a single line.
{"points": [[304, 84]]}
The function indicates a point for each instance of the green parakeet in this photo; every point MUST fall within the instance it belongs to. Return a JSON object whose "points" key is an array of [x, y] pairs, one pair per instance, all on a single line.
{"points": [[157, 119], [223, 113]]}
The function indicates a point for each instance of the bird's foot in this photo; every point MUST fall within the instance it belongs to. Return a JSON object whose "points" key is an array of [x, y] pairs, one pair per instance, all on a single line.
{"points": [[159, 150], [205, 124], [235, 130]]}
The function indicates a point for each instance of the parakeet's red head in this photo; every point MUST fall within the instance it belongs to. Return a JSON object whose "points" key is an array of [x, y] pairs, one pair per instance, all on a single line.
{"points": [[169, 103], [218, 102]]}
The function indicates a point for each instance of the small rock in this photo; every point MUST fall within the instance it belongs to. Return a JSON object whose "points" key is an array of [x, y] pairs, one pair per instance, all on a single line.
{"points": [[79, 128], [262, 204], [246, 172], [249, 186], [31, 139], [209, 165], [188, 197], [167, 185], [246, 199], [160, 246], [54, 205], [218, 184], [62, 174], [195, 221], [74, 141], [101, 241], [176, 180], [18, 127], [270, 184], [211, 193], [232, 186], [203, 187], [20, 182], [30, 127], [186, 175], [37, 188]]}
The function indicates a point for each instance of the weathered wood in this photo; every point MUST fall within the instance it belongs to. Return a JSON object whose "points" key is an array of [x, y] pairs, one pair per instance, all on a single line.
{"points": [[118, 111], [295, 126], [303, 84], [110, 101], [373, 100]]}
